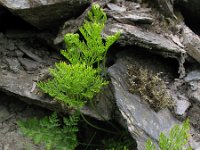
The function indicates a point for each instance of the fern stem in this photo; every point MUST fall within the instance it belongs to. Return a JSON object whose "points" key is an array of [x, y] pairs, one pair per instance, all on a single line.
{"points": [[98, 128], [98, 113]]}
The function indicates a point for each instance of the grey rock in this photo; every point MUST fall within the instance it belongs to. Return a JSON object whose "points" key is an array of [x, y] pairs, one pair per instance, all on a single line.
{"points": [[3, 113], [191, 41], [23, 83], [138, 19], [142, 122], [13, 64], [43, 13], [29, 65], [193, 80], [155, 43], [28, 51], [166, 7], [182, 106], [193, 76], [196, 96], [115, 7]]}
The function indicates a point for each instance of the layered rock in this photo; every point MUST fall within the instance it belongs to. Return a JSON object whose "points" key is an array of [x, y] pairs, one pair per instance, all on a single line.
{"points": [[42, 13]]}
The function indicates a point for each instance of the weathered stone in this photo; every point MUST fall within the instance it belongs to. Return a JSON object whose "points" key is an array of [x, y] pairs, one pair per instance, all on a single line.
{"points": [[3, 113], [42, 13], [115, 7], [29, 65], [193, 76], [13, 64], [141, 121], [182, 106], [191, 41], [193, 80]]}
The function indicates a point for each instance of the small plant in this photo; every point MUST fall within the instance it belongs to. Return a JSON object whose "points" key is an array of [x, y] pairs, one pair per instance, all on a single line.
{"points": [[73, 84], [76, 83], [48, 130], [177, 139], [92, 49], [150, 87]]}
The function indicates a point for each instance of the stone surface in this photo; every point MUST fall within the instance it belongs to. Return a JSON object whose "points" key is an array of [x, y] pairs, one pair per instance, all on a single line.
{"points": [[20, 73], [191, 41], [42, 13], [193, 80], [115, 7], [11, 111], [142, 122], [182, 106]]}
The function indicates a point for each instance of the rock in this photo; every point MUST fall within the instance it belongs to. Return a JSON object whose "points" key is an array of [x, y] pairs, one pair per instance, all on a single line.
{"points": [[22, 82], [181, 107], [141, 121], [156, 43], [193, 76], [166, 7], [13, 64], [193, 80], [3, 113], [42, 13], [134, 18], [191, 41], [29, 65], [115, 7]]}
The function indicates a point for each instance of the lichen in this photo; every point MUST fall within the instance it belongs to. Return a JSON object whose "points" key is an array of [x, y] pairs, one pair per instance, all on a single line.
{"points": [[150, 87]]}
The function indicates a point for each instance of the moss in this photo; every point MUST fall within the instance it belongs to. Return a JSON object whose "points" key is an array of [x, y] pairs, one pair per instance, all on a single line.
{"points": [[150, 87]]}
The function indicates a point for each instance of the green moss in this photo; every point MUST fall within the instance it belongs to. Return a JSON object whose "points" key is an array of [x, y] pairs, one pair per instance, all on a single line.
{"points": [[150, 87]]}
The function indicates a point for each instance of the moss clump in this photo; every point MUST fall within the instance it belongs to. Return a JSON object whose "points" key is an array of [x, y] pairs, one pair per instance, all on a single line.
{"points": [[150, 87]]}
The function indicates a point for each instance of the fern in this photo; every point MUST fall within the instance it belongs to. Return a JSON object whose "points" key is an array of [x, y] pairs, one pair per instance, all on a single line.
{"points": [[49, 132], [177, 139], [73, 84], [78, 82], [92, 49]]}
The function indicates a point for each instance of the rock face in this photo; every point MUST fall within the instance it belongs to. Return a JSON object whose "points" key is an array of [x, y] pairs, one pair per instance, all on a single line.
{"points": [[42, 13], [141, 121], [22, 66]]}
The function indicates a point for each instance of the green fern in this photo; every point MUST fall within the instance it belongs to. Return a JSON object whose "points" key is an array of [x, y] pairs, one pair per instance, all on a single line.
{"points": [[92, 49], [177, 139], [48, 131], [73, 84], [78, 82]]}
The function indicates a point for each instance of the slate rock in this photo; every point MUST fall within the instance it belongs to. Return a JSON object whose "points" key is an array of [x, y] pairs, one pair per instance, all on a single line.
{"points": [[115, 7], [191, 41], [182, 106], [43, 13], [141, 121], [13, 64]]}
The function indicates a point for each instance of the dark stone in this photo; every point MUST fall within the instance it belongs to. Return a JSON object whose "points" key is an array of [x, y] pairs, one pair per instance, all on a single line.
{"points": [[42, 14]]}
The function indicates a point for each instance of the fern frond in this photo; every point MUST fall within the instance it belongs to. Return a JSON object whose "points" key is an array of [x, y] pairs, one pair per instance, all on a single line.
{"points": [[177, 139], [72, 84], [48, 131]]}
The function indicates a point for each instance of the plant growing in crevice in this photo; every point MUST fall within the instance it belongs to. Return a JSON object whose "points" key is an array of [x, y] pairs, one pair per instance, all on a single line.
{"points": [[177, 139], [77, 82], [49, 131], [150, 87]]}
